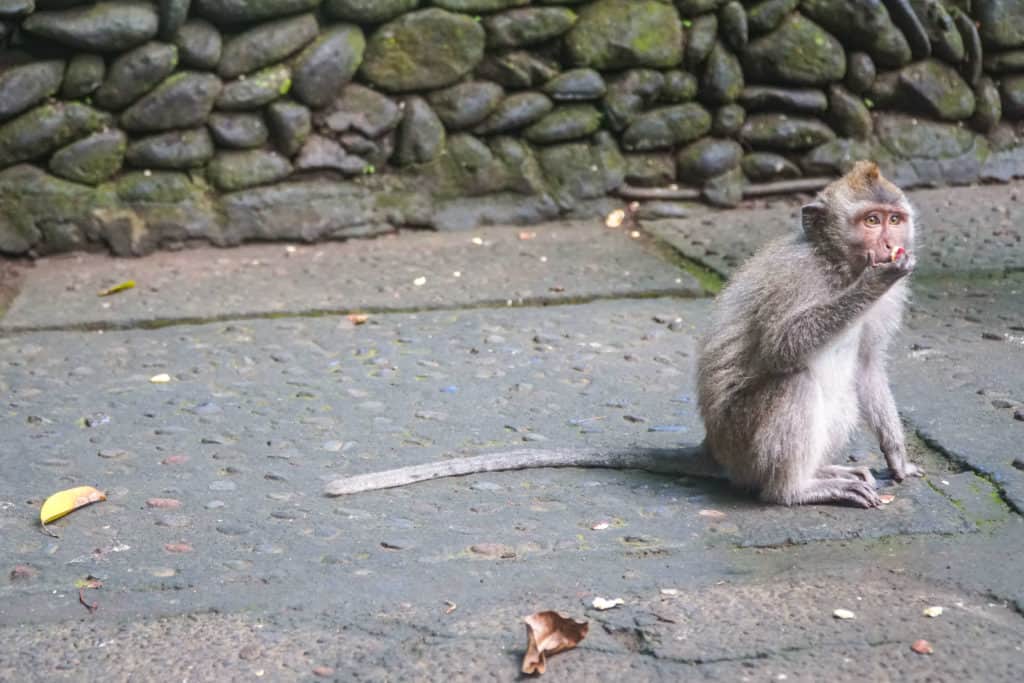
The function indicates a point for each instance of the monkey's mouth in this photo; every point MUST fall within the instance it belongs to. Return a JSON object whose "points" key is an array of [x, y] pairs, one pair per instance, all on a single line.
{"points": [[894, 254]]}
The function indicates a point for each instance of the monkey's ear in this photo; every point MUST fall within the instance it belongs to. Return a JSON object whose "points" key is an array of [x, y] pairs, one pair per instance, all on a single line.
{"points": [[812, 215]]}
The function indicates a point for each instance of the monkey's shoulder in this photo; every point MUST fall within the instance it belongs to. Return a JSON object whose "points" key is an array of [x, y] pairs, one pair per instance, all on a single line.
{"points": [[785, 267]]}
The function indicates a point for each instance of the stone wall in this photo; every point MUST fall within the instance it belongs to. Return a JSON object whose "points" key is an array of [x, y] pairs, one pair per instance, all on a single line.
{"points": [[134, 125]]}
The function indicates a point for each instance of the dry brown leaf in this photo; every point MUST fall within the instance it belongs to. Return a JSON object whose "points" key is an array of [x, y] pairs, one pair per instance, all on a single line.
{"points": [[600, 526], [843, 614], [886, 498], [163, 503], [922, 647], [932, 611], [527, 235], [450, 607], [713, 514], [606, 603], [358, 318], [615, 218], [548, 633]]}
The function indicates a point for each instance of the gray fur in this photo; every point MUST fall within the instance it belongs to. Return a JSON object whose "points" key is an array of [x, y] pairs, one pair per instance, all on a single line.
{"points": [[795, 353]]}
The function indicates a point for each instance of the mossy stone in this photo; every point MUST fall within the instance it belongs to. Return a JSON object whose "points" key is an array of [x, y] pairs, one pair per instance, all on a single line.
{"points": [[835, 157], [479, 5], [848, 113], [172, 14], [1011, 61], [103, 27], [783, 132], [576, 85], [700, 38], [26, 85], [232, 171], [693, 8], [423, 50], [651, 169], [199, 44], [619, 34], [368, 11], [766, 97], [238, 130], [666, 127], [910, 137], [766, 166], [466, 104], [1000, 23], [860, 72], [722, 81], [327, 64], [83, 76], [798, 52], [290, 123], [936, 88], [679, 86], [41, 130], [706, 158], [361, 109], [235, 12], [728, 120], [766, 15], [725, 190], [183, 100], [1011, 92], [865, 25], [733, 19], [945, 39], [255, 90], [135, 73], [564, 123], [92, 159], [988, 110], [516, 111], [631, 93], [421, 134], [266, 44], [518, 69], [527, 26], [173, 150]]}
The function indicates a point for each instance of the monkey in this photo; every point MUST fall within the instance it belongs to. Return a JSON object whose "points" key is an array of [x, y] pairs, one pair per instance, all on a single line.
{"points": [[792, 362]]}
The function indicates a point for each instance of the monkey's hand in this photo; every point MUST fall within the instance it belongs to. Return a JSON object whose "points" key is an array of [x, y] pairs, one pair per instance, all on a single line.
{"points": [[882, 276], [909, 469]]}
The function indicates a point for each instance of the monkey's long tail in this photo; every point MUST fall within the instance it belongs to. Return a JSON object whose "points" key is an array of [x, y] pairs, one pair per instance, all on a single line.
{"points": [[691, 461]]}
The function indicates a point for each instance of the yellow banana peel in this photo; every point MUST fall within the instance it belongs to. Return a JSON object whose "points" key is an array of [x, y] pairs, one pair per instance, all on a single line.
{"points": [[63, 502]]}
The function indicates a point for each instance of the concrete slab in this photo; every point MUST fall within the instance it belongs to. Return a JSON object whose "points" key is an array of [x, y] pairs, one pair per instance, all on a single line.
{"points": [[491, 266], [962, 229]]}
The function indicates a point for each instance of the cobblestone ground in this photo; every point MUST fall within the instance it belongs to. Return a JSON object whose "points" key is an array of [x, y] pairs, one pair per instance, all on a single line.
{"points": [[221, 559]]}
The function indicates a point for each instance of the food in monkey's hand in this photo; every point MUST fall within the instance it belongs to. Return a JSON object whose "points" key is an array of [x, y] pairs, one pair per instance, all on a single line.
{"points": [[896, 253]]}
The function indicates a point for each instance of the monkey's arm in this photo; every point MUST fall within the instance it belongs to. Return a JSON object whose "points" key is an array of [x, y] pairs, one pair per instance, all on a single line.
{"points": [[692, 461]]}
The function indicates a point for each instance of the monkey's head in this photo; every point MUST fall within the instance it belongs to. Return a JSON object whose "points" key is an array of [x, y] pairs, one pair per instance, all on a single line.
{"points": [[862, 218]]}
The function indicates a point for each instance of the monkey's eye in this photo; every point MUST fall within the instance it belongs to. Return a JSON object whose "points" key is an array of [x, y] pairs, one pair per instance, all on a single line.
{"points": [[872, 219], [895, 219]]}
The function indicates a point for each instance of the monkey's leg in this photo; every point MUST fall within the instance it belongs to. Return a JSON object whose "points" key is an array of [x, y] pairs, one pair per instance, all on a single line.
{"points": [[879, 409], [844, 472], [850, 491]]}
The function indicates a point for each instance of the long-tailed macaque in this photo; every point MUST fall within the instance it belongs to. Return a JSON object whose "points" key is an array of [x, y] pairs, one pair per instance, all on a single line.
{"points": [[793, 359]]}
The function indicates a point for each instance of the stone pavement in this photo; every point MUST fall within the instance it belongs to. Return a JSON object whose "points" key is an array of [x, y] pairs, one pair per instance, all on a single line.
{"points": [[559, 335]]}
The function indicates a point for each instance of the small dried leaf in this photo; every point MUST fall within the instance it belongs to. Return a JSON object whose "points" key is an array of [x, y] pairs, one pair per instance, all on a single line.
{"points": [[922, 647], [527, 235], [127, 284], [670, 591], [605, 603], [600, 526], [450, 607], [358, 318], [615, 218], [932, 611], [177, 547], [162, 378], [69, 500], [548, 633], [713, 514], [886, 498], [843, 614], [163, 503]]}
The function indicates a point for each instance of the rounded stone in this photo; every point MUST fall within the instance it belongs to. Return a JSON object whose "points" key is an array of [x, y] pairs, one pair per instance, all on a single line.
{"points": [[231, 171], [735, 30], [937, 89], [103, 27], [766, 166], [865, 24], [835, 157], [798, 52], [290, 123], [783, 132], [516, 111], [848, 113], [238, 130], [320, 153], [327, 64], [1000, 22], [518, 69], [911, 137], [83, 76], [135, 73], [172, 14], [725, 190], [26, 85], [945, 39], [199, 44], [266, 44], [250, 11], [679, 86], [860, 72], [423, 50], [618, 34], [762, 97], [466, 104], [631, 93], [173, 150], [666, 127], [706, 158], [728, 119], [766, 15], [988, 110], [576, 85], [692, 8], [1011, 92], [527, 26], [41, 130], [92, 159], [700, 39], [256, 90], [182, 101], [722, 81], [564, 123], [420, 135], [1011, 61], [368, 11], [361, 109], [650, 169]]}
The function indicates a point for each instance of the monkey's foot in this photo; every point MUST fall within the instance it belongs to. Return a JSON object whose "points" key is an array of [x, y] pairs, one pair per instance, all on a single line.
{"points": [[843, 472], [909, 469], [849, 491]]}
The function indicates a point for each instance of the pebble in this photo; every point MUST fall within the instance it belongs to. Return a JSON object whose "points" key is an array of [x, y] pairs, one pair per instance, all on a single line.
{"points": [[1019, 414], [214, 505], [284, 514], [112, 453], [533, 436], [275, 476], [173, 521], [1018, 463], [993, 336], [233, 529], [634, 418], [223, 486], [498, 550], [207, 408], [485, 486], [97, 419], [667, 428], [163, 572], [333, 446]]}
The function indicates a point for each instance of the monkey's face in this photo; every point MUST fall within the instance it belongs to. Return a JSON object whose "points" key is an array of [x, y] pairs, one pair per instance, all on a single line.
{"points": [[880, 231]]}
